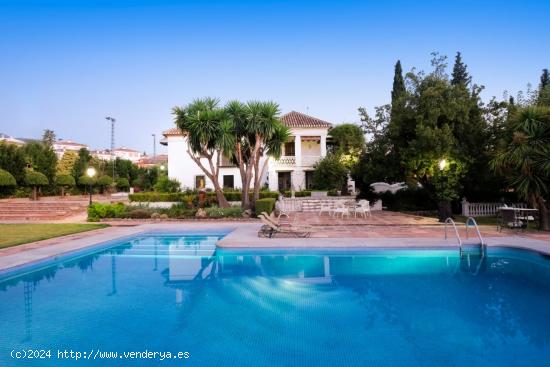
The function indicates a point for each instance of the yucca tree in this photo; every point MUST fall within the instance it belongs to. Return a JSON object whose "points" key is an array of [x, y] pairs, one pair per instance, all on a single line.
{"points": [[258, 133], [210, 134], [525, 161]]}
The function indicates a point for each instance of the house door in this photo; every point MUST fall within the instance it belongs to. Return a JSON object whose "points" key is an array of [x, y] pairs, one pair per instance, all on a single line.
{"points": [[284, 181], [309, 180]]}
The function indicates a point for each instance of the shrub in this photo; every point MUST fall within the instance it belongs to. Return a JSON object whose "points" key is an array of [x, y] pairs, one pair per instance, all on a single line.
{"points": [[265, 205], [147, 197], [405, 200], [269, 195], [7, 183], [165, 184], [122, 184], [6, 179], [140, 213], [297, 194], [330, 174], [64, 181], [104, 181], [180, 211], [97, 211], [86, 180], [34, 178], [232, 212]]}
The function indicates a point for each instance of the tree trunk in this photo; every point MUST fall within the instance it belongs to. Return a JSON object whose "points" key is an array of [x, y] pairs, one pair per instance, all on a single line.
{"points": [[222, 201], [35, 193], [62, 191], [444, 211], [544, 215], [212, 175]]}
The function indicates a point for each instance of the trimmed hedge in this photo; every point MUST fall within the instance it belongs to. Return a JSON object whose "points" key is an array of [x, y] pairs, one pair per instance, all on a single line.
{"points": [[297, 194], [65, 180], [146, 197], [34, 178], [6, 179], [265, 205], [104, 181], [232, 212]]}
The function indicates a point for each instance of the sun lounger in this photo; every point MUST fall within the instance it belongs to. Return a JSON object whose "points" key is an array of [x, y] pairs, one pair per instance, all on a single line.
{"points": [[270, 229]]}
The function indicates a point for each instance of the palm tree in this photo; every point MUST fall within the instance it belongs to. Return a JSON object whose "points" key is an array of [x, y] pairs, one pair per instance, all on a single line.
{"points": [[210, 134], [259, 133], [525, 161]]}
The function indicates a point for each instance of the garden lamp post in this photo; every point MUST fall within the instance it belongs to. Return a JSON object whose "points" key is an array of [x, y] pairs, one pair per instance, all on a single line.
{"points": [[90, 172], [442, 164]]}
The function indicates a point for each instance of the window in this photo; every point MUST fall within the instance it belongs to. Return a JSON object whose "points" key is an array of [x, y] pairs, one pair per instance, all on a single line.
{"points": [[228, 182], [199, 182], [289, 149]]}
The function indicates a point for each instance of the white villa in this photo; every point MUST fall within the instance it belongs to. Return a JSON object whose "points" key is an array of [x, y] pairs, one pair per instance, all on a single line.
{"points": [[62, 146], [292, 171]]}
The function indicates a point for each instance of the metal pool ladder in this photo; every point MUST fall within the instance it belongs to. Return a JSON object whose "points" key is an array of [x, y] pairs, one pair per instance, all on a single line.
{"points": [[469, 221], [451, 221]]}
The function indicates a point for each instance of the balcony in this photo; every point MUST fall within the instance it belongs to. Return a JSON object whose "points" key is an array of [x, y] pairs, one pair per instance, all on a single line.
{"points": [[286, 162], [290, 161]]}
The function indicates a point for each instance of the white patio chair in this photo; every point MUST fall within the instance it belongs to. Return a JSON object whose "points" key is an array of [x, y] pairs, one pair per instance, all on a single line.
{"points": [[341, 209], [363, 209], [325, 207]]}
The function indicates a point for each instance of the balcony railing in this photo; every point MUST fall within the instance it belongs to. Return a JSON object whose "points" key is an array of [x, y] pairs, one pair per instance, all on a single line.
{"points": [[290, 161], [286, 161]]}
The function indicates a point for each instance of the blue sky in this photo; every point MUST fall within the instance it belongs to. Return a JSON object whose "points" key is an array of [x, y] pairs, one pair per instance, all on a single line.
{"points": [[65, 65]]}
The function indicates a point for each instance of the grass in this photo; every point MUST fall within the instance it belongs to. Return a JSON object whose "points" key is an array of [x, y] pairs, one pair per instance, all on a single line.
{"points": [[18, 234]]}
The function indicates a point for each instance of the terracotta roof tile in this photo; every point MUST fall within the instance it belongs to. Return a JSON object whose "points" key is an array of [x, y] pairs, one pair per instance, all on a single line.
{"points": [[172, 131], [297, 119]]}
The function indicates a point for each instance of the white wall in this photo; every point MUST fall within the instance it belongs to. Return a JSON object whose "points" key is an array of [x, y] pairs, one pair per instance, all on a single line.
{"points": [[184, 169]]}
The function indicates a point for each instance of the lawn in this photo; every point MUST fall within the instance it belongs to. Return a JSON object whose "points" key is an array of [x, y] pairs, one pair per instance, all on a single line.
{"points": [[17, 234]]}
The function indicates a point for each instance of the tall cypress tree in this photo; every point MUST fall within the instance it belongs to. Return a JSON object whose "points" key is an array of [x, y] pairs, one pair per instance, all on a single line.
{"points": [[398, 83], [460, 74], [544, 79]]}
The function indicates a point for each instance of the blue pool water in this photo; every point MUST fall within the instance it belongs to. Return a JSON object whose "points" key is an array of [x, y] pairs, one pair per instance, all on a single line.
{"points": [[177, 293]]}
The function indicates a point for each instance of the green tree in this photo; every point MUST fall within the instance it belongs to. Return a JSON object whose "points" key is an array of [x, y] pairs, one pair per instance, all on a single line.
{"points": [[122, 184], [35, 180], [348, 139], [398, 89], [165, 184], [66, 164], [42, 159], [258, 133], [7, 182], [544, 89], [81, 164], [48, 138], [460, 73], [525, 160], [12, 159], [104, 182], [210, 136], [64, 181], [330, 174]]}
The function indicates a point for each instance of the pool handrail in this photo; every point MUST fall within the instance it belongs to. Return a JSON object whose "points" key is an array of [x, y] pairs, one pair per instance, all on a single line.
{"points": [[451, 221]]}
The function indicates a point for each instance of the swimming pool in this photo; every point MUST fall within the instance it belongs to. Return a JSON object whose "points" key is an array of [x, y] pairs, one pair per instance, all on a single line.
{"points": [[177, 293]]}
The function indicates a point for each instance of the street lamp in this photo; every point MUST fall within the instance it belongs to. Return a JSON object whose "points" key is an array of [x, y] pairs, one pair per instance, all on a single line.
{"points": [[162, 168], [90, 172], [442, 164]]}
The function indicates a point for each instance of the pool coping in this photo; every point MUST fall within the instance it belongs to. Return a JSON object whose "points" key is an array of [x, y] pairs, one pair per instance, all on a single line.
{"points": [[243, 236]]}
